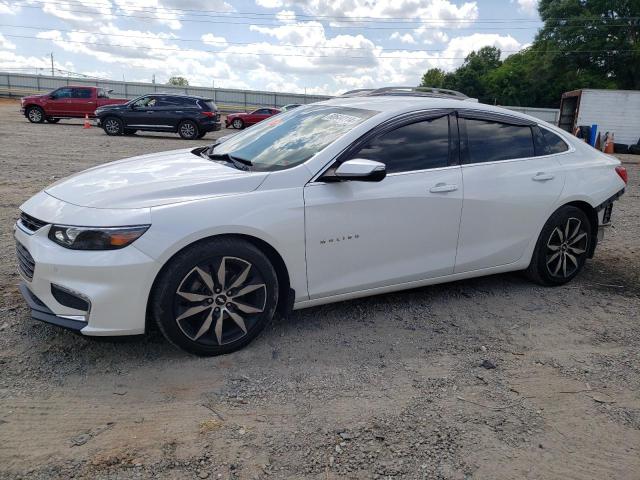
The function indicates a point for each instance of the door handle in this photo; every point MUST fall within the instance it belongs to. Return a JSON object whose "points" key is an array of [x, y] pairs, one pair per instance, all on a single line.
{"points": [[543, 177], [443, 188]]}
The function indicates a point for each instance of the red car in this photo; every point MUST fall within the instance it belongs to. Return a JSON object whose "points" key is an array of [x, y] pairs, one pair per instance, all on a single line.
{"points": [[66, 102], [241, 120]]}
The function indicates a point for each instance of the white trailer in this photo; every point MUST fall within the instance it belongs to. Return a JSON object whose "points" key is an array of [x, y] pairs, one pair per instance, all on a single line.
{"points": [[616, 111]]}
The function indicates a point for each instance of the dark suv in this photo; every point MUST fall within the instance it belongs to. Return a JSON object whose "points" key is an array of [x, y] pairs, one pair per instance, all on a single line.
{"points": [[190, 117]]}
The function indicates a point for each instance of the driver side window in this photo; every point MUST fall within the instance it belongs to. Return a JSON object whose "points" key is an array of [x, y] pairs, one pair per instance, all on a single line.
{"points": [[145, 102], [417, 146], [62, 93]]}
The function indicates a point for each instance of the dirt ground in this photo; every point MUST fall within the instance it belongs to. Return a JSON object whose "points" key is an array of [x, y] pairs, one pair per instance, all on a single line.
{"points": [[384, 387]]}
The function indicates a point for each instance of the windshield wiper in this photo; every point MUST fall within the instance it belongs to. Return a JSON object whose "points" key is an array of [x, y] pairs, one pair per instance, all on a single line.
{"points": [[239, 163]]}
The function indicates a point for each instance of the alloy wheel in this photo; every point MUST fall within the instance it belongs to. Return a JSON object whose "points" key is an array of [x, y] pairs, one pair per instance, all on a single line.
{"points": [[188, 130], [219, 302], [112, 126], [237, 124], [565, 247], [35, 115]]}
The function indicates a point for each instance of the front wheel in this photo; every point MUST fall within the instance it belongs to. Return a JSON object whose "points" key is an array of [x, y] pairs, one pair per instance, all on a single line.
{"points": [[215, 297], [562, 248], [113, 126], [35, 114], [188, 130], [238, 124]]}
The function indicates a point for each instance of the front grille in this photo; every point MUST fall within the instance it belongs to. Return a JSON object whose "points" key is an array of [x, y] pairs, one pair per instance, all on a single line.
{"points": [[30, 223], [26, 264]]}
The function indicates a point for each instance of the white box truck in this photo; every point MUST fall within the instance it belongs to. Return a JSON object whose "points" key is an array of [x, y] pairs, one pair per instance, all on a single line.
{"points": [[616, 111]]}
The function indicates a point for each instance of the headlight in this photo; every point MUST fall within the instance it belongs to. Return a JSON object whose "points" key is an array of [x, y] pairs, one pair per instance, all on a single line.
{"points": [[95, 238]]}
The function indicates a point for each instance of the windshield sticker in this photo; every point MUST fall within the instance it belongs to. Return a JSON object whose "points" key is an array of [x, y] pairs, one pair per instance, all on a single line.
{"points": [[341, 119]]}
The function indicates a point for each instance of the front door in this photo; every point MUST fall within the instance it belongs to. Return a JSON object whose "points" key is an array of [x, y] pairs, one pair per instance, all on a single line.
{"points": [[58, 102], [363, 235]]}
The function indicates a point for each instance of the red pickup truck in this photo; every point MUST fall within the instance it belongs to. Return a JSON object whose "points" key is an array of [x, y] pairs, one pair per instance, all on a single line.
{"points": [[66, 102]]}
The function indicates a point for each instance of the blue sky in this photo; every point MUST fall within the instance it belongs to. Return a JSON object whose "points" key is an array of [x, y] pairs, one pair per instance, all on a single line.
{"points": [[323, 46]]}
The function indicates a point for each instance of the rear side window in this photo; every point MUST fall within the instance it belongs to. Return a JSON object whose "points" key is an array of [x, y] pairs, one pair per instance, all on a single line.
{"points": [[81, 93], [490, 141], [208, 105], [417, 146], [554, 143]]}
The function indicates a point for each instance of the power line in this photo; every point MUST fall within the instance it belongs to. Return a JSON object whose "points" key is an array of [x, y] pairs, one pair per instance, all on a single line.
{"points": [[337, 57], [221, 43], [339, 18], [440, 24]]}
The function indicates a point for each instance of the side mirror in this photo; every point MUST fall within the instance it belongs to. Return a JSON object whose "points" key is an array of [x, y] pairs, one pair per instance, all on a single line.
{"points": [[359, 169]]}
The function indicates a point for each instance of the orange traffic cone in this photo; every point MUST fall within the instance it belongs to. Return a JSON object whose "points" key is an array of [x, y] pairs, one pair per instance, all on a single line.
{"points": [[87, 124], [609, 146]]}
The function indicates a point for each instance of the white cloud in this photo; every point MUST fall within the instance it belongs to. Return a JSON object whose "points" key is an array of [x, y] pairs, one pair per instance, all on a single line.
{"points": [[404, 38], [6, 44], [530, 7], [7, 9], [211, 39], [269, 3], [286, 16]]}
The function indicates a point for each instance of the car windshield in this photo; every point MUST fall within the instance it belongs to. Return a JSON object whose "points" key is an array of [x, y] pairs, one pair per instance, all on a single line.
{"points": [[291, 138]]}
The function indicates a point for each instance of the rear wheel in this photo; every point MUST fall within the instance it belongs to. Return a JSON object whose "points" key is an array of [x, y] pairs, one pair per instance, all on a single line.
{"points": [[202, 134], [113, 126], [35, 114], [188, 130], [562, 248], [52, 120], [215, 297]]}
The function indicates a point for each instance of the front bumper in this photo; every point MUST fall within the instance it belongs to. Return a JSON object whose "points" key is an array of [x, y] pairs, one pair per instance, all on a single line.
{"points": [[115, 285]]}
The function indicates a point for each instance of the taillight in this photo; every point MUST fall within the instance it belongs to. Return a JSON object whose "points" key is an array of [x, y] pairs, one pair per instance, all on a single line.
{"points": [[209, 114], [622, 172]]}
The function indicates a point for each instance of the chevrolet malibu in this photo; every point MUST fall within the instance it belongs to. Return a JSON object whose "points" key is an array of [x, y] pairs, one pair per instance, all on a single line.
{"points": [[342, 199]]}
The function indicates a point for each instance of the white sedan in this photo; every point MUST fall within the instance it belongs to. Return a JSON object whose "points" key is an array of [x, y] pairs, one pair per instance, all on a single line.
{"points": [[331, 201]]}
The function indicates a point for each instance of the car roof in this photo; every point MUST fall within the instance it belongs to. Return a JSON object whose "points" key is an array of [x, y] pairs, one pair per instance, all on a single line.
{"points": [[399, 104], [177, 95]]}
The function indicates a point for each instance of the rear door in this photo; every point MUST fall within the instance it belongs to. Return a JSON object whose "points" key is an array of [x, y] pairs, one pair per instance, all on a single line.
{"points": [[82, 102], [511, 184]]}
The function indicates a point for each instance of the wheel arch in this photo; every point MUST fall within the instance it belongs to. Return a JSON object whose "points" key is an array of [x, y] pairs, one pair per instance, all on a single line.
{"points": [[286, 296], [592, 215]]}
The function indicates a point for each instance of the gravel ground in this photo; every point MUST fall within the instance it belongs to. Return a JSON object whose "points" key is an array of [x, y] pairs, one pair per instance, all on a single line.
{"points": [[492, 378]]}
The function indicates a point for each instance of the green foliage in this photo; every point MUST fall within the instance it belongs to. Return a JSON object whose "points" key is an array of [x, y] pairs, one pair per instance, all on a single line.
{"points": [[583, 44], [434, 77], [178, 82]]}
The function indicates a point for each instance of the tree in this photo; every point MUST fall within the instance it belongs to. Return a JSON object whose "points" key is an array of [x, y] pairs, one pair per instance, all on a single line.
{"points": [[583, 44], [470, 78], [178, 82], [598, 41], [434, 77]]}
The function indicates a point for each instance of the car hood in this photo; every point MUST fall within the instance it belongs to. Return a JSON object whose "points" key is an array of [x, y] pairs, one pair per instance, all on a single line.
{"points": [[153, 180]]}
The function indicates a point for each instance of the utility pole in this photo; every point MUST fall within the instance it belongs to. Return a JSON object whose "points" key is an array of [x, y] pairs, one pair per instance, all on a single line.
{"points": [[153, 79], [52, 73]]}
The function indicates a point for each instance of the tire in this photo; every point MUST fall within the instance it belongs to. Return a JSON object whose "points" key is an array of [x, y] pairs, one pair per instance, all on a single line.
{"points": [[196, 314], [201, 134], [129, 131], [238, 123], [620, 148], [562, 247], [35, 114], [634, 149], [52, 120], [188, 129], [113, 126]]}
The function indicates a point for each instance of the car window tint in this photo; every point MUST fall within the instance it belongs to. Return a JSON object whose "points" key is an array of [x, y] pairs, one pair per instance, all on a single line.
{"points": [[417, 146], [81, 93], [63, 93], [209, 105], [263, 111], [554, 143], [493, 141]]}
